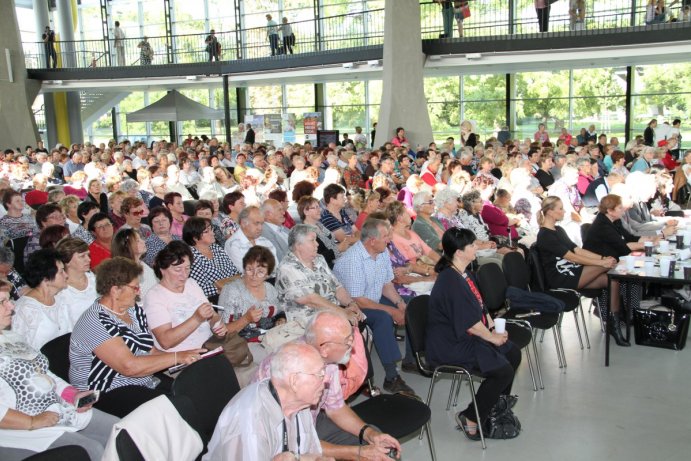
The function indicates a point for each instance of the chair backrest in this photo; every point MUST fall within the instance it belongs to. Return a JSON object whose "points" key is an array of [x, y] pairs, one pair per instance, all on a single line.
{"points": [[17, 245], [126, 448], [64, 453], [210, 384], [57, 350], [537, 271], [492, 286], [416, 322], [188, 206], [516, 270], [585, 227]]}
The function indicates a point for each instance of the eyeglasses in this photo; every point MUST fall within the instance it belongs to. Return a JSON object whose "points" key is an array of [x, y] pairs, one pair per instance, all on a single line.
{"points": [[257, 271], [134, 288], [319, 375], [313, 207], [103, 226], [428, 202], [137, 213]]}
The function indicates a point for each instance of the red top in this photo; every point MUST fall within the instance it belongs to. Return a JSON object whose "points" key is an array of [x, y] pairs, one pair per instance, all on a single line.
{"points": [[289, 223], [669, 162], [429, 178], [497, 221], [98, 254]]}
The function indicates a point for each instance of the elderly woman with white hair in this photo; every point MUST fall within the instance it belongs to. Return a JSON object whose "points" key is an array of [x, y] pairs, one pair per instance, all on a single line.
{"points": [[429, 228], [209, 183], [304, 280], [642, 187], [574, 213]]}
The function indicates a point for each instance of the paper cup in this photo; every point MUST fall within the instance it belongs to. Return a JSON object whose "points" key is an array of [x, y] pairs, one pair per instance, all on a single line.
{"points": [[664, 267], [500, 325], [649, 268], [630, 262], [664, 246]]}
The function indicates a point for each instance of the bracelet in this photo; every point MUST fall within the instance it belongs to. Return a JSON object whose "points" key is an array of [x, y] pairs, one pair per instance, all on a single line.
{"points": [[361, 436]]}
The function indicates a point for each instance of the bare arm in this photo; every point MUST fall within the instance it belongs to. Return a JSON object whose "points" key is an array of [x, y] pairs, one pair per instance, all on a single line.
{"points": [[169, 336], [17, 420], [117, 356]]}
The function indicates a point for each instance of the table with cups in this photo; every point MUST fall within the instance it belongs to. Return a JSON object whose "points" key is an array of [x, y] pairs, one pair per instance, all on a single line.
{"points": [[667, 263]]}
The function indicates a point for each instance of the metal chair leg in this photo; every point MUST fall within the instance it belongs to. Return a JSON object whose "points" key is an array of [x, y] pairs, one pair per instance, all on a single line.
{"points": [[430, 442], [542, 337], [477, 413], [537, 362], [585, 329], [530, 366], [578, 327], [556, 344], [429, 396], [458, 390], [453, 384]]}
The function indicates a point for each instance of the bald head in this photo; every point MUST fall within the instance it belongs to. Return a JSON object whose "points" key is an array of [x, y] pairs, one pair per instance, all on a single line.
{"points": [[332, 334]]}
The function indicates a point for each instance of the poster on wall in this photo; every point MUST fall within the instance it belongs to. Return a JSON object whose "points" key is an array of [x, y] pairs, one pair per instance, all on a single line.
{"points": [[257, 122], [289, 122], [312, 122], [273, 129]]}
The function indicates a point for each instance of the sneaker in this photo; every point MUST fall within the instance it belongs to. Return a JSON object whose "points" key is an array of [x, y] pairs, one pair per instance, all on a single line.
{"points": [[398, 386], [409, 367]]}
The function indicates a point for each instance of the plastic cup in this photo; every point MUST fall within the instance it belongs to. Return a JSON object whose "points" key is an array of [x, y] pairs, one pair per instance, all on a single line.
{"points": [[664, 246], [500, 325], [664, 267], [630, 262], [649, 268], [648, 249]]}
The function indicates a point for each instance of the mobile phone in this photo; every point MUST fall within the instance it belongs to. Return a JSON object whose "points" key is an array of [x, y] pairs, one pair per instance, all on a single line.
{"points": [[88, 399]]}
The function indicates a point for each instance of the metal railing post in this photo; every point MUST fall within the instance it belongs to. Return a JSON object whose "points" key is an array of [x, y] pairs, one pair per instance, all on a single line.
{"points": [[167, 12], [512, 17], [106, 32], [238, 29]]}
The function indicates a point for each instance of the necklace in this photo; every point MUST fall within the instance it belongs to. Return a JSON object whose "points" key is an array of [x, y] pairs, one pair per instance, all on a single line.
{"points": [[119, 314]]}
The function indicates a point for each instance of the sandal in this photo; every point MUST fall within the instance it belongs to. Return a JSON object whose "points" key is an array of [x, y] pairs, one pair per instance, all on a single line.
{"points": [[463, 425]]}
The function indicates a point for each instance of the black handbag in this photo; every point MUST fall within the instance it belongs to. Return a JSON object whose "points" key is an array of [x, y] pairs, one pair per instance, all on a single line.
{"points": [[661, 326]]}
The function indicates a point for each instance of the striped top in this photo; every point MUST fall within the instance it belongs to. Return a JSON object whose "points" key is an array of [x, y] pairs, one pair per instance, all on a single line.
{"points": [[95, 327]]}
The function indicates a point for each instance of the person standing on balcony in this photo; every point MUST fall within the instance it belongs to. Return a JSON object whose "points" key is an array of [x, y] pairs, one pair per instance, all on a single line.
{"points": [[212, 45], [577, 14], [119, 35], [447, 16], [49, 45], [288, 37], [542, 8], [272, 34], [146, 53]]}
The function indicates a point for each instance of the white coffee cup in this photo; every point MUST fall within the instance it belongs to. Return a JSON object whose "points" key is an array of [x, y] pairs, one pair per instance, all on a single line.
{"points": [[664, 266], [664, 246], [630, 262], [500, 325], [649, 268]]}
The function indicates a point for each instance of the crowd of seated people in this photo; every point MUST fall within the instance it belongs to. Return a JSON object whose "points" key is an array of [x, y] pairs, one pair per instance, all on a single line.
{"points": [[150, 255]]}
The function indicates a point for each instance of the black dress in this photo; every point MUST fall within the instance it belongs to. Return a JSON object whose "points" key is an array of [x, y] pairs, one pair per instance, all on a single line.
{"points": [[453, 309], [553, 246]]}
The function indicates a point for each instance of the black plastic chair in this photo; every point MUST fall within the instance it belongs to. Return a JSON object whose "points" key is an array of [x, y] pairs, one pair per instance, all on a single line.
{"points": [[572, 298], [209, 384], [57, 350], [492, 286], [66, 453], [17, 246], [517, 275], [126, 448], [397, 415], [416, 328]]}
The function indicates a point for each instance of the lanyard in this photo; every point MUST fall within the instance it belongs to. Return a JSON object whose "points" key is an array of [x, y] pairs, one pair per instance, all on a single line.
{"points": [[272, 389]]}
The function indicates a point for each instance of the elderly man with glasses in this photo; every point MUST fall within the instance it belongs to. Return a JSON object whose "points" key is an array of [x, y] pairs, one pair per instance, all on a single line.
{"points": [[271, 419], [338, 426]]}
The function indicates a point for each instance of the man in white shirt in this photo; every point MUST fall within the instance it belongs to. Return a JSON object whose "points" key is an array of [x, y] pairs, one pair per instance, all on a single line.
{"points": [[119, 35], [251, 224], [272, 416], [140, 160]]}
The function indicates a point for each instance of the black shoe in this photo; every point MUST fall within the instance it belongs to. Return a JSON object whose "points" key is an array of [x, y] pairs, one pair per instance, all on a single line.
{"points": [[463, 425], [615, 331], [398, 386], [409, 367]]}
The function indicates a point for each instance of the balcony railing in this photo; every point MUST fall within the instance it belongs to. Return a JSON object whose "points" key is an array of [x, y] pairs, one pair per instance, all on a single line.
{"points": [[487, 20]]}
